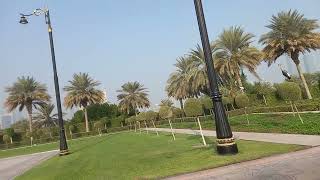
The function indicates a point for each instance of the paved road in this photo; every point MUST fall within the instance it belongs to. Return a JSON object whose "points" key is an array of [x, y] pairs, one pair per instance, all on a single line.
{"points": [[14, 166], [300, 165], [308, 140]]}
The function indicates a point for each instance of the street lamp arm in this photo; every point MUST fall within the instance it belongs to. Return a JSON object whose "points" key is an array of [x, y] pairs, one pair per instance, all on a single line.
{"points": [[36, 12]]}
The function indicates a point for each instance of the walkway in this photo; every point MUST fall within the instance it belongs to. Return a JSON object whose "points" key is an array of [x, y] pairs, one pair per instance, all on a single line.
{"points": [[300, 165], [15, 166], [307, 140]]}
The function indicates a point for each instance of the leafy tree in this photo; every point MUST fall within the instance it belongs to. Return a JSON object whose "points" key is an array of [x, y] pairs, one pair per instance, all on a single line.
{"points": [[242, 101], [233, 51], [27, 93], [152, 116], [193, 107], [291, 34], [262, 89], [81, 92], [9, 132], [312, 80], [207, 103], [166, 112], [177, 112], [133, 96], [98, 126], [6, 138], [290, 91], [44, 116]]}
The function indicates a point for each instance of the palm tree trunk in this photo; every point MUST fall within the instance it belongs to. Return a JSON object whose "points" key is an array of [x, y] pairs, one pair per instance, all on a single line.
{"points": [[181, 104], [303, 81], [29, 109], [11, 140], [239, 82], [86, 119]]}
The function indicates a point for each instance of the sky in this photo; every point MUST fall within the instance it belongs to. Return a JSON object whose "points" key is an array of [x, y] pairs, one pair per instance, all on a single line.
{"points": [[117, 41]]}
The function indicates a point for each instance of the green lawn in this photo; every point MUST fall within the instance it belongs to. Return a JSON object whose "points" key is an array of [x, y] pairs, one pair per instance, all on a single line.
{"points": [[271, 123], [144, 156]]}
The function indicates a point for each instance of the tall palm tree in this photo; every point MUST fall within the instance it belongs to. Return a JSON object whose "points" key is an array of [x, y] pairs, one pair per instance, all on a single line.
{"points": [[133, 96], [291, 34], [27, 93], [44, 116], [233, 52], [166, 102], [178, 85], [82, 92], [198, 77]]}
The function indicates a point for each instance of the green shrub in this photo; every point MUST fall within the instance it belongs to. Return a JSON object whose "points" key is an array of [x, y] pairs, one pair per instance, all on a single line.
{"points": [[151, 115], [165, 112], [206, 102], [98, 125], [6, 138], [289, 91], [242, 100], [193, 107], [177, 112]]}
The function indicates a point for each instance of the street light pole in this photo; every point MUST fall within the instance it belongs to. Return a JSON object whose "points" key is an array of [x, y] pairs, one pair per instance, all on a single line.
{"points": [[63, 142], [225, 141]]}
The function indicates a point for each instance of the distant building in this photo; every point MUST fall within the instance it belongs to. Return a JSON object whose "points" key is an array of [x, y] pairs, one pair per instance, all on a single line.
{"points": [[6, 121]]}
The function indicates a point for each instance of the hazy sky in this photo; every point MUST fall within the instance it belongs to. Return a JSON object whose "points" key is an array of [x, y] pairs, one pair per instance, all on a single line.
{"points": [[117, 41]]}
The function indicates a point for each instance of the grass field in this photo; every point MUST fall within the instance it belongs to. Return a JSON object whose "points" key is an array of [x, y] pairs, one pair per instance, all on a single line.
{"points": [[144, 156], [268, 123]]}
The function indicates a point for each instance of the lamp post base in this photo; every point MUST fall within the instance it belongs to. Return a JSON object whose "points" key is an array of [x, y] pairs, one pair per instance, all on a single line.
{"points": [[63, 152], [227, 146]]}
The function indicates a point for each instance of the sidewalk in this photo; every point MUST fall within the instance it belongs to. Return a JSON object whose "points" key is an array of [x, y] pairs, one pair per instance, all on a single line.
{"points": [[12, 167], [300, 165], [307, 140]]}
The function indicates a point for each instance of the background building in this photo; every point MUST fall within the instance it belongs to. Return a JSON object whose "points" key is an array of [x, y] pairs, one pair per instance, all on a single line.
{"points": [[7, 120]]}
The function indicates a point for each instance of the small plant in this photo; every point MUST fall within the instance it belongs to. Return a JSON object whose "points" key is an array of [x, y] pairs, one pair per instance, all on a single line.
{"points": [[290, 91], [193, 108], [98, 126], [242, 101], [166, 112]]}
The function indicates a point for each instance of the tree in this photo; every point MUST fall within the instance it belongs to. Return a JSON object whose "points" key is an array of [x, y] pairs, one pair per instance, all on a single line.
{"points": [[98, 126], [262, 89], [207, 103], [166, 102], [142, 117], [10, 133], [81, 92], [133, 96], [178, 85], [291, 92], [312, 80], [233, 51], [152, 116], [193, 108], [291, 34], [165, 112], [133, 120], [27, 93], [44, 116], [242, 101], [6, 139]]}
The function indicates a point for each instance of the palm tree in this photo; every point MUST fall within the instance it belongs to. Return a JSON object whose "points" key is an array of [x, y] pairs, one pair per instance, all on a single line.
{"points": [[133, 96], [178, 85], [291, 34], [166, 102], [82, 92], [27, 93], [198, 77], [44, 116], [233, 52]]}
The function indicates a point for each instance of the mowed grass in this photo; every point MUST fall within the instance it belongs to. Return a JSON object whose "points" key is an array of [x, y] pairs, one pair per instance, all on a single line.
{"points": [[144, 156], [267, 123]]}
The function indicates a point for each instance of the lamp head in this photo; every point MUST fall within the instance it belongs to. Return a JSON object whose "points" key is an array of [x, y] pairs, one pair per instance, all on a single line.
{"points": [[23, 20]]}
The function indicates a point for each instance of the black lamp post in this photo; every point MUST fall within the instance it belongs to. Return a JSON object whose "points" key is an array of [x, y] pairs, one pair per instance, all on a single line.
{"points": [[225, 141], [23, 20]]}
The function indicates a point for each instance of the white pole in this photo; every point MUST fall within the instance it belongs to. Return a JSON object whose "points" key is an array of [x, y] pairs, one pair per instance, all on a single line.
{"points": [[155, 128], [174, 138], [203, 140]]}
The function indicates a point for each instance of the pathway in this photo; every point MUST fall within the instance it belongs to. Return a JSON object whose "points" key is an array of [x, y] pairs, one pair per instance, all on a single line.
{"points": [[307, 140], [15, 166], [300, 165]]}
